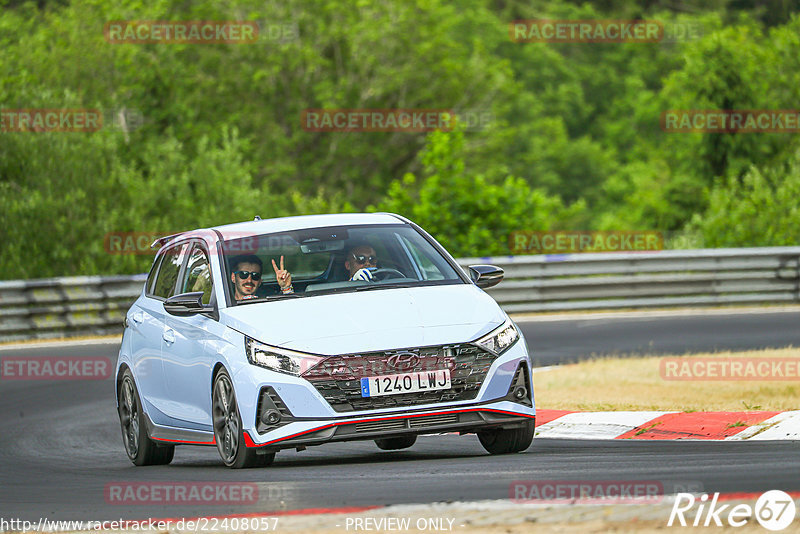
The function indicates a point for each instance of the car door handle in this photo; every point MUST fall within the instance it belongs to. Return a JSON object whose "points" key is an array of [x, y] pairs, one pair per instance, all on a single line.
{"points": [[137, 317], [169, 335]]}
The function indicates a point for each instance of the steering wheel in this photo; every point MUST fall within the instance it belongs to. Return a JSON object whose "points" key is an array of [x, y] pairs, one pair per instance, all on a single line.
{"points": [[386, 273]]}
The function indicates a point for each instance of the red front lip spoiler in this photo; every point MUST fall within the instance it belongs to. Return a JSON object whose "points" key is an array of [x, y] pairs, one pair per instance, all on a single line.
{"points": [[248, 441]]}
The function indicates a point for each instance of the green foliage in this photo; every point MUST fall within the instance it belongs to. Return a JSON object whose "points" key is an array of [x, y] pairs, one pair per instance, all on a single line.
{"points": [[574, 141], [761, 209], [471, 214]]}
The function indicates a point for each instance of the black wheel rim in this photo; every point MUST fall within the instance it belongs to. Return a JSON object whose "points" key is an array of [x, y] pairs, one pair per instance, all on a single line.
{"points": [[226, 419], [129, 417]]}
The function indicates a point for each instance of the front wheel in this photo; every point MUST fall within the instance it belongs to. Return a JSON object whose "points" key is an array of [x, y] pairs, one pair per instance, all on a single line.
{"points": [[140, 448], [228, 432], [508, 440]]}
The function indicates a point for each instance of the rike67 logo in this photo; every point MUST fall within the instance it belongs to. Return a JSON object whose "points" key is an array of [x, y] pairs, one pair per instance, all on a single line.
{"points": [[774, 510]]}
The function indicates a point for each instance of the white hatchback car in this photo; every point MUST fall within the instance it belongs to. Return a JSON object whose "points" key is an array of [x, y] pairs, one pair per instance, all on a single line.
{"points": [[299, 331]]}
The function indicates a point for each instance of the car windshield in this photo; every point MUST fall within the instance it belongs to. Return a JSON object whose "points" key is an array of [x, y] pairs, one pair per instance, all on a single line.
{"points": [[333, 260]]}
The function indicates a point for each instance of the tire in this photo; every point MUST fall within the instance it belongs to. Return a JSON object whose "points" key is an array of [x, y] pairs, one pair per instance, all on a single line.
{"points": [[507, 441], [393, 444], [228, 431], [139, 447]]}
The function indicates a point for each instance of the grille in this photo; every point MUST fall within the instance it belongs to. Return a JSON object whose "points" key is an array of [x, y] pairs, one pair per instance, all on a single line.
{"points": [[419, 422], [402, 424], [381, 425], [337, 378]]}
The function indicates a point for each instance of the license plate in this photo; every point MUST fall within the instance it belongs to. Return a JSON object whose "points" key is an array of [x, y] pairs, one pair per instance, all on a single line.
{"points": [[377, 386]]}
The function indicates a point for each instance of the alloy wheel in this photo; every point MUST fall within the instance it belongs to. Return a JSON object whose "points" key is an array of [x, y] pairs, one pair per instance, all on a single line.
{"points": [[226, 419]]}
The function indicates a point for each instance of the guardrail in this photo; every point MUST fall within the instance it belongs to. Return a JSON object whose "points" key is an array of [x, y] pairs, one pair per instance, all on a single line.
{"points": [[66, 307], [647, 279], [92, 305]]}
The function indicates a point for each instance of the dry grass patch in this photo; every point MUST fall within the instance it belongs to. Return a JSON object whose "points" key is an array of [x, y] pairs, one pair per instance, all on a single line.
{"points": [[605, 384]]}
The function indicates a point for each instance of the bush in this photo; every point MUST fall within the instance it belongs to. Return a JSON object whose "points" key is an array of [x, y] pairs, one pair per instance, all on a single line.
{"points": [[471, 215], [761, 209]]}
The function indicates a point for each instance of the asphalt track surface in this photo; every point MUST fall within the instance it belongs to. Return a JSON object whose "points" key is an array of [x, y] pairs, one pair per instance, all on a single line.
{"points": [[60, 444]]}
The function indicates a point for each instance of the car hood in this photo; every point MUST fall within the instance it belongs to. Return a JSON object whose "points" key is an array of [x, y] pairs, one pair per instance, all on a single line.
{"points": [[370, 320]]}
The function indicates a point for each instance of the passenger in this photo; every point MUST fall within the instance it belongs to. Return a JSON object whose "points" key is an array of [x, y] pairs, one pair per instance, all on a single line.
{"points": [[246, 277]]}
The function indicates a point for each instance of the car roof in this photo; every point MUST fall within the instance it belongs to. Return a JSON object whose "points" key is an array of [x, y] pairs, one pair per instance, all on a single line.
{"points": [[284, 224]]}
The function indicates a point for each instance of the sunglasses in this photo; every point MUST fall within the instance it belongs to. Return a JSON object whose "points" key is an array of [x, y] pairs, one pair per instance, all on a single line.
{"points": [[364, 259], [244, 275]]}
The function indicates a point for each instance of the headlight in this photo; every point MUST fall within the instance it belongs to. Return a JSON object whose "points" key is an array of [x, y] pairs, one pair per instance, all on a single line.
{"points": [[281, 360], [499, 339]]}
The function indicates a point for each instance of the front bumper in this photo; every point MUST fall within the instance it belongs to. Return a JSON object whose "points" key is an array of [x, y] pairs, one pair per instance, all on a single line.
{"points": [[308, 419], [463, 420]]}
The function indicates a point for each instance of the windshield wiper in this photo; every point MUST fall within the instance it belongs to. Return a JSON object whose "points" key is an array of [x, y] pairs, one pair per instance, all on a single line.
{"points": [[382, 286], [285, 296]]}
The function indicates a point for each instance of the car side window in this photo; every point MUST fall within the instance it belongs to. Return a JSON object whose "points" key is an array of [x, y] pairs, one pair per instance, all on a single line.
{"points": [[168, 272], [428, 269], [198, 274], [151, 278]]}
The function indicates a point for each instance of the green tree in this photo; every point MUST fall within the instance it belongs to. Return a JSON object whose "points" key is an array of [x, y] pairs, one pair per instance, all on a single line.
{"points": [[761, 209], [471, 214]]}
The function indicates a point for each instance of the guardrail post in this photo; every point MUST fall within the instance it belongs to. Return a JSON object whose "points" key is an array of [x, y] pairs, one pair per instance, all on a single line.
{"points": [[789, 269]]}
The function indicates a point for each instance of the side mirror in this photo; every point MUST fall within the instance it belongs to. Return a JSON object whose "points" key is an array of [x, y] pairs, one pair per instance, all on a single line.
{"points": [[186, 304], [485, 276]]}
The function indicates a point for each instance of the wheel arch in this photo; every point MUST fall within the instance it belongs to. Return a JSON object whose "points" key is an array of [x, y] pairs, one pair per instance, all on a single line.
{"points": [[217, 367], [118, 381]]}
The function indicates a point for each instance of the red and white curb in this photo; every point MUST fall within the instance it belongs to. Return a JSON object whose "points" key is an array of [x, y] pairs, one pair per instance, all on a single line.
{"points": [[727, 426]]}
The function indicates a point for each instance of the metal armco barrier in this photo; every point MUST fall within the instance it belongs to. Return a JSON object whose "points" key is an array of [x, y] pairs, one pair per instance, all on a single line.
{"points": [[63, 307], [647, 279]]}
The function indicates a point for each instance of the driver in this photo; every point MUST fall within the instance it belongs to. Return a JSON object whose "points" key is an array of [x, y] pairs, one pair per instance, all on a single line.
{"points": [[360, 262]]}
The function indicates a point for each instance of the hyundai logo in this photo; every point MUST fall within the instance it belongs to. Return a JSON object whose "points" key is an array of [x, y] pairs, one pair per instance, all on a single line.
{"points": [[403, 361]]}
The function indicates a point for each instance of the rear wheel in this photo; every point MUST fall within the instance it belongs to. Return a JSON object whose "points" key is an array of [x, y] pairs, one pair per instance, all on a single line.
{"points": [[140, 448], [393, 444], [228, 432], [509, 440]]}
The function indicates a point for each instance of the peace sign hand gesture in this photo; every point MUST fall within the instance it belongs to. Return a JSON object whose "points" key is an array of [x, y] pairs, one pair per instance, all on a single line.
{"points": [[284, 277]]}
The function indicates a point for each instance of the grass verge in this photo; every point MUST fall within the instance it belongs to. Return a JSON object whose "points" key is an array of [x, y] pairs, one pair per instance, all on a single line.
{"points": [[612, 384]]}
